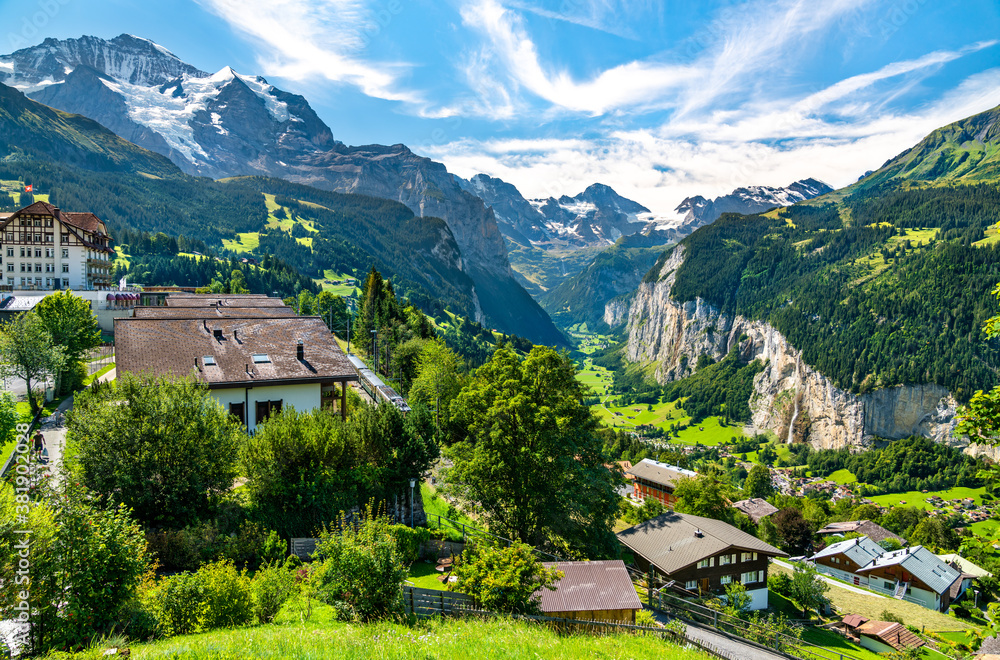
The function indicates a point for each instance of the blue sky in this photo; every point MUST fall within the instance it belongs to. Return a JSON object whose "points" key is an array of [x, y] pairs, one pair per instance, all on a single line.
{"points": [[658, 99]]}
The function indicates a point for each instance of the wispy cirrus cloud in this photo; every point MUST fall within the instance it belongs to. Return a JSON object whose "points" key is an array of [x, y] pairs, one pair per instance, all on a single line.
{"points": [[325, 39]]}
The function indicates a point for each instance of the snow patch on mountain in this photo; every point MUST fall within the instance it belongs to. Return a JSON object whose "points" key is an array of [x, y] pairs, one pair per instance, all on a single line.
{"points": [[7, 67]]}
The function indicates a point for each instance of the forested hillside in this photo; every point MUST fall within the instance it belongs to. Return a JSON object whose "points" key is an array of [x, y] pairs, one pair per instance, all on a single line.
{"points": [[892, 286]]}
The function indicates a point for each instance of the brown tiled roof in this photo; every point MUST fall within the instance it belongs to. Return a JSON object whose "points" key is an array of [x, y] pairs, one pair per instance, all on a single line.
{"points": [[38, 208], [894, 634], [676, 540], [85, 221], [756, 507], [222, 300], [173, 346], [872, 530], [590, 585], [854, 620], [160, 312]]}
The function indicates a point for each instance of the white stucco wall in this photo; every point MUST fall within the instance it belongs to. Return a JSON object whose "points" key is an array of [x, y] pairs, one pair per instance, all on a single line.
{"points": [[874, 645], [758, 598], [301, 397]]}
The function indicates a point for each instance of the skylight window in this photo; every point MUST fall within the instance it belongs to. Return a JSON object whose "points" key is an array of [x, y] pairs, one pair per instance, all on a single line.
{"points": [[260, 358], [209, 360]]}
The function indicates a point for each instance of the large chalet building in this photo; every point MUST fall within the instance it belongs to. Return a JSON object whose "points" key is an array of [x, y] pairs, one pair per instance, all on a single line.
{"points": [[44, 248], [701, 554], [253, 352], [657, 480]]}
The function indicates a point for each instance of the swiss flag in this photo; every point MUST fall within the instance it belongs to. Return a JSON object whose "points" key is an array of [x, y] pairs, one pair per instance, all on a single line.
{"points": [[29, 188]]}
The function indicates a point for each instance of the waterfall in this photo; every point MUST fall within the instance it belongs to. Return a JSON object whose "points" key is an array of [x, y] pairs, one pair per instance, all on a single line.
{"points": [[795, 414]]}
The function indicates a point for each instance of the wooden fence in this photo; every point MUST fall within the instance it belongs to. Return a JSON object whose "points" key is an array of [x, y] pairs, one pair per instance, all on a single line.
{"points": [[429, 602]]}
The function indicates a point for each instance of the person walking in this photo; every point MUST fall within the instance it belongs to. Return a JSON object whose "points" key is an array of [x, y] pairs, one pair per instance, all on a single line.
{"points": [[39, 444]]}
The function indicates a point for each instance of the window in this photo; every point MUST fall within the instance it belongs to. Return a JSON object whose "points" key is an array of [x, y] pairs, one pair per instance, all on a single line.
{"points": [[48, 238], [691, 585], [10, 252], [22, 283], [65, 253], [752, 576], [50, 268], [65, 268], [65, 283], [727, 559], [209, 360], [748, 556], [707, 563], [65, 238], [22, 267], [38, 238], [38, 222], [38, 268], [49, 253], [10, 236], [48, 282], [22, 253], [10, 268], [10, 281], [267, 408], [38, 253], [238, 410], [726, 579], [260, 358]]}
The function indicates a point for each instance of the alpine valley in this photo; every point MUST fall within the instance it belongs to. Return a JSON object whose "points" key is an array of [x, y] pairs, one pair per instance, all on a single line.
{"points": [[859, 312]]}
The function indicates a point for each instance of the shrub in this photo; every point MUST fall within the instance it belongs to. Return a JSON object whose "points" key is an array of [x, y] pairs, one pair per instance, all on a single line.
{"points": [[227, 600], [217, 596], [409, 541], [175, 602], [272, 586], [780, 583], [504, 579], [645, 618], [362, 572]]}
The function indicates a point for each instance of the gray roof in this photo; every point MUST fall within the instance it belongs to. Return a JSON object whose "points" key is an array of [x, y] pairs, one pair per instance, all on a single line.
{"points": [[676, 540], [990, 646], [755, 507], [660, 473], [21, 303], [922, 564], [221, 300], [590, 585], [861, 550]]}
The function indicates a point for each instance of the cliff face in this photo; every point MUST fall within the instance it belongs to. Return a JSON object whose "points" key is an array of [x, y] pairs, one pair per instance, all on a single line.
{"points": [[789, 398]]}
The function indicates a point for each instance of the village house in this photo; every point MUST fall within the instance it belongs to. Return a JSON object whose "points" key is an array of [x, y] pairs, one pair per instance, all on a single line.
{"points": [[756, 508], [842, 560], [701, 554], [44, 248], [254, 366], [875, 532], [917, 575], [591, 591], [654, 479]]}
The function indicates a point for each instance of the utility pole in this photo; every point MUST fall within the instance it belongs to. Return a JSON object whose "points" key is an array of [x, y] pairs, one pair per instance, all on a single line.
{"points": [[375, 348]]}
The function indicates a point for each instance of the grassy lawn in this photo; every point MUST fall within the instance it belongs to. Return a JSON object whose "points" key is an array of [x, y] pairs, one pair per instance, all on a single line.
{"points": [[424, 574], [871, 605], [709, 432], [988, 528], [838, 643], [435, 505], [244, 242], [918, 499], [97, 374], [842, 477], [320, 637]]}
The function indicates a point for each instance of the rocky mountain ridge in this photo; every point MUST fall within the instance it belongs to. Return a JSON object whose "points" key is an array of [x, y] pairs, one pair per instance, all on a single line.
{"points": [[600, 216], [790, 398], [228, 124]]}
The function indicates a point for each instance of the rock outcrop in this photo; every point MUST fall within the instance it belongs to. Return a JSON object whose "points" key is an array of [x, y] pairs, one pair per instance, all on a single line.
{"points": [[790, 397]]}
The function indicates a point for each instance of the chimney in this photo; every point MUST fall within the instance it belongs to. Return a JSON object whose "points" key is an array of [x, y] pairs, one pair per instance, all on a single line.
{"points": [[300, 350], [218, 334], [698, 533]]}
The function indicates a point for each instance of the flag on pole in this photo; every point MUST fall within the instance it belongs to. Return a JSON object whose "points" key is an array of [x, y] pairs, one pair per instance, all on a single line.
{"points": [[29, 188]]}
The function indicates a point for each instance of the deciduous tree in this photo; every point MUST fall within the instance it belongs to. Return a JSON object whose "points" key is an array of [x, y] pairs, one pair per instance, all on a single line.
{"points": [[73, 326], [163, 447], [530, 461], [758, 483], [28, 352]]}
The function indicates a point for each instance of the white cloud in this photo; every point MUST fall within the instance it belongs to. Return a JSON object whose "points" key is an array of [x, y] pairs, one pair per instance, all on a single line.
{"points": [[305, 39], [629, 84], [659, 169]]}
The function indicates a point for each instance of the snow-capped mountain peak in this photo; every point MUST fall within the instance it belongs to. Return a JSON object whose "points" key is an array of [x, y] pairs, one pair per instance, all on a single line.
{"points": [[209, 124]]}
